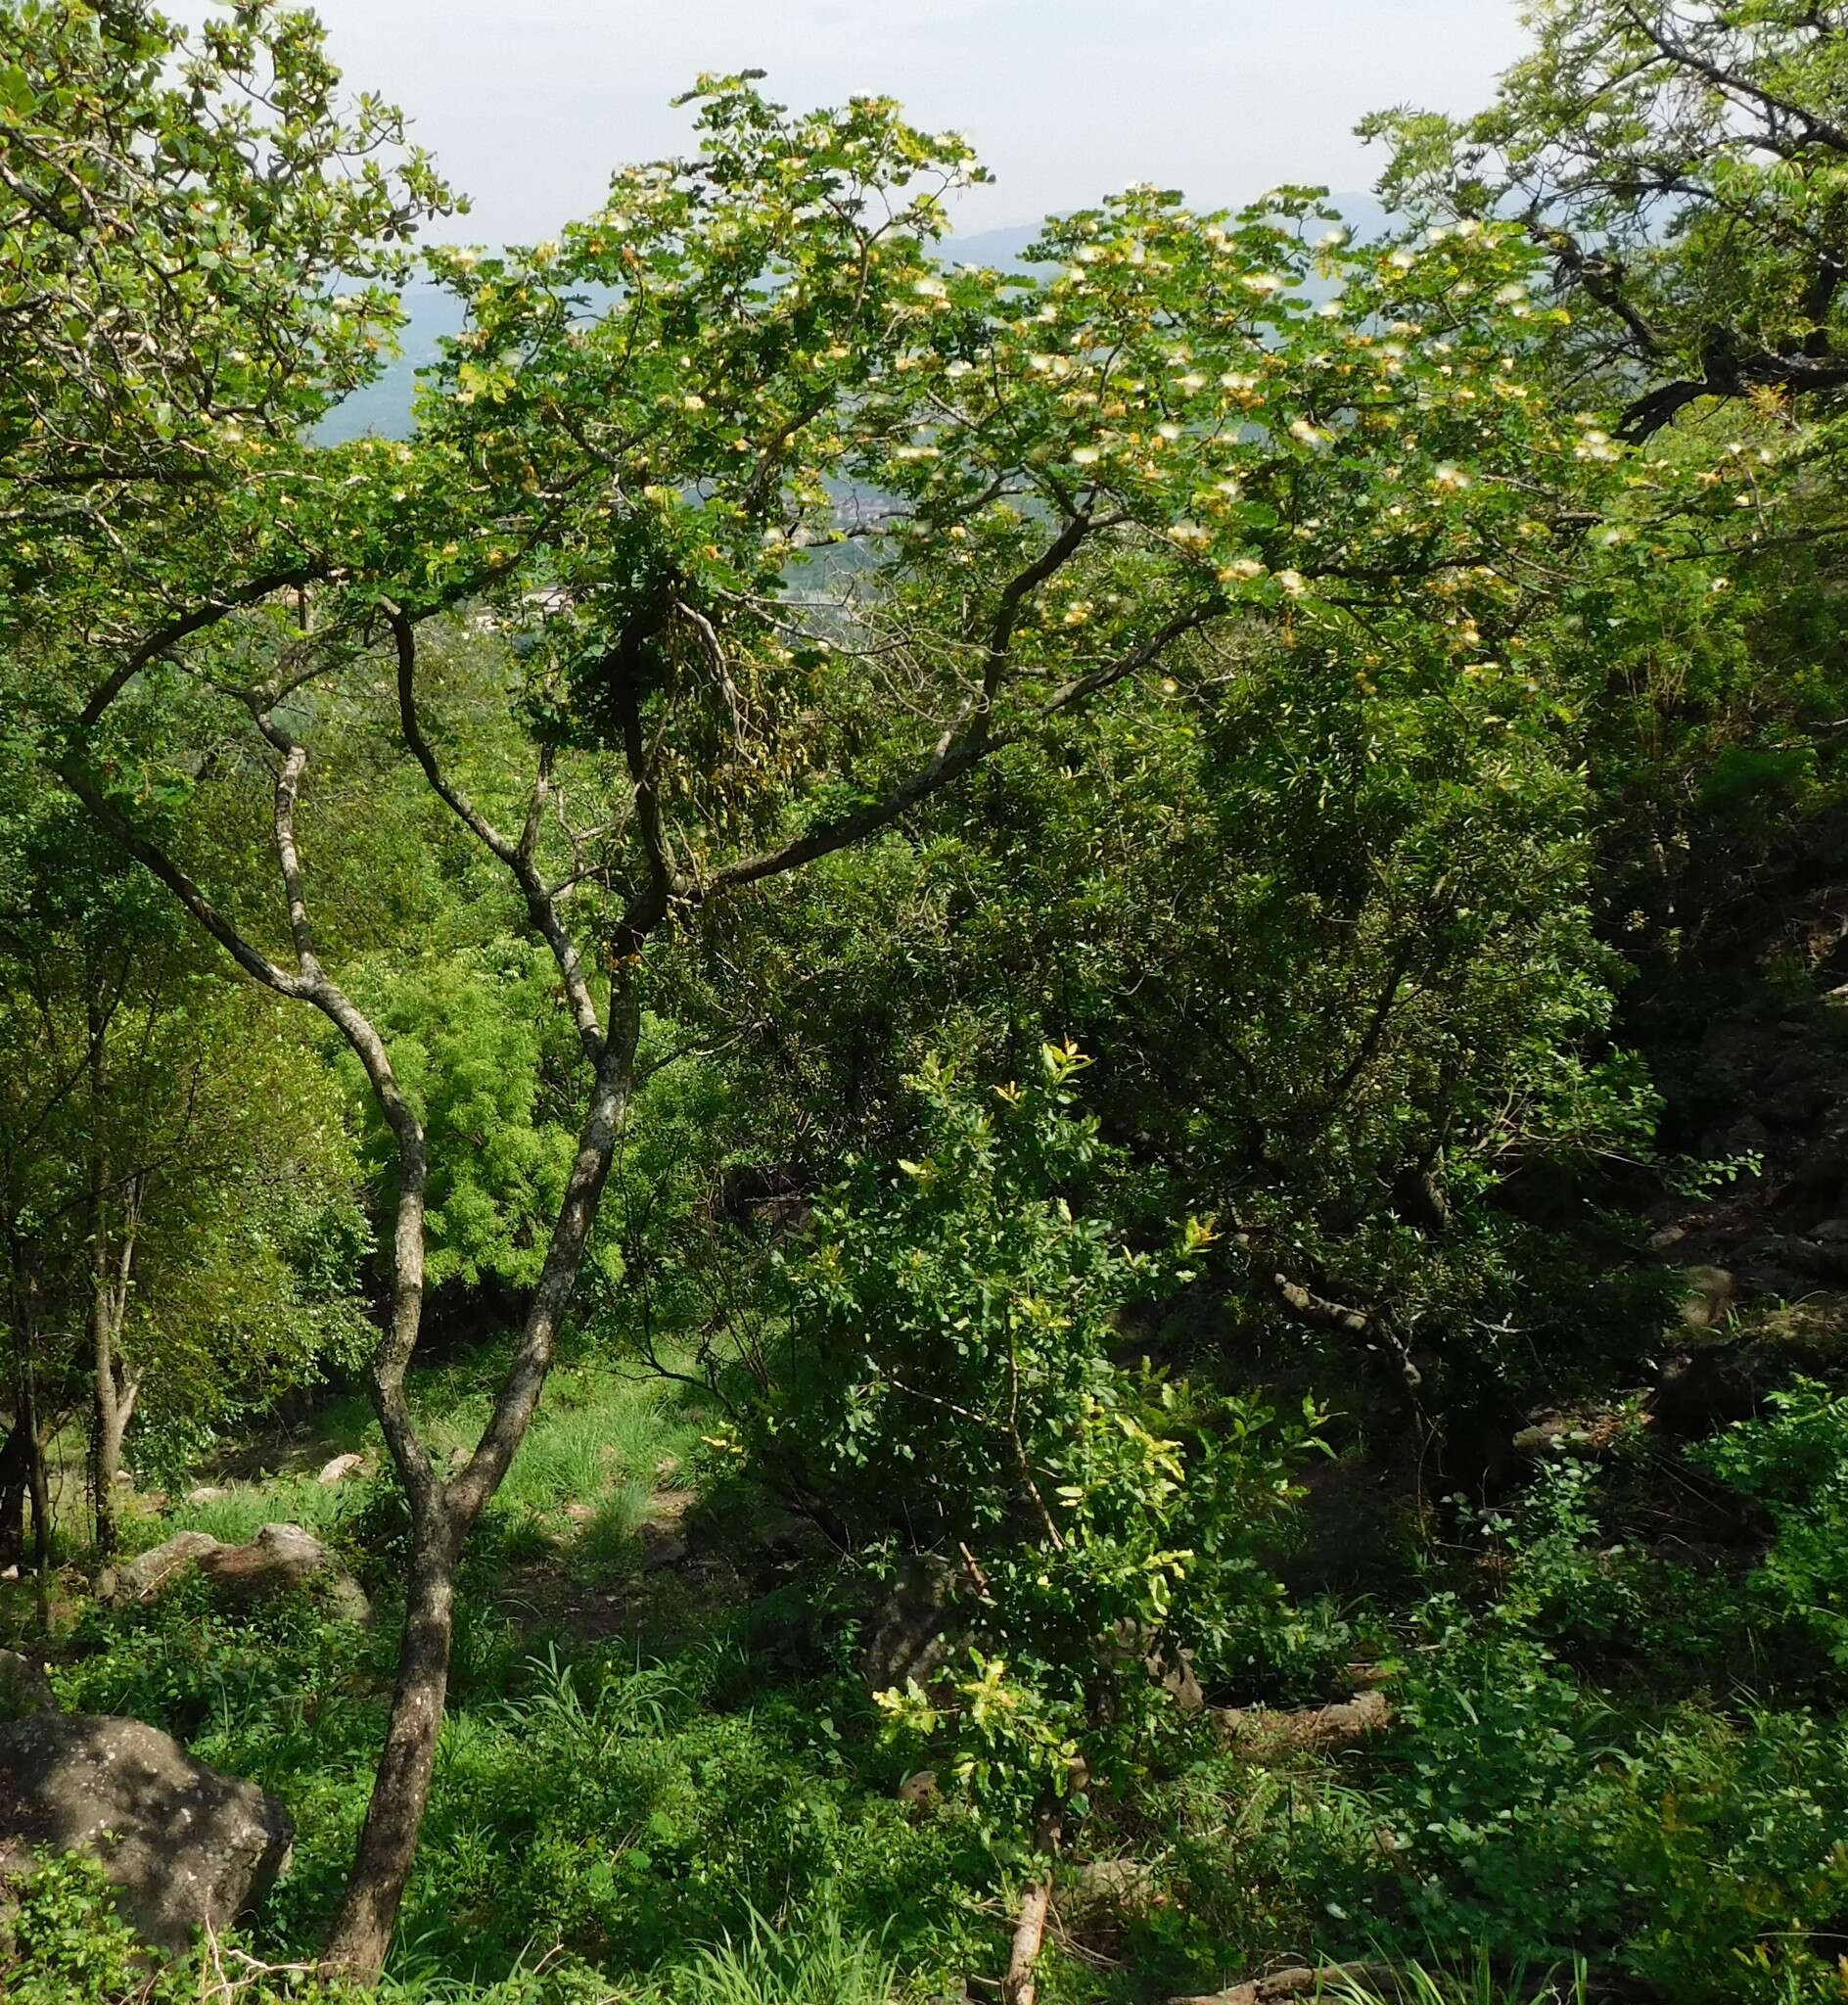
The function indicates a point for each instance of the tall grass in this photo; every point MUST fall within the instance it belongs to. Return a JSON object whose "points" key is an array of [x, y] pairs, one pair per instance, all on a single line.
{"points": [[1470, 1981], [816, 1961]]}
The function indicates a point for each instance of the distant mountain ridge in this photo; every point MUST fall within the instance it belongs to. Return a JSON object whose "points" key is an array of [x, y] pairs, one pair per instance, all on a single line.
{"points": [[383, 407]]}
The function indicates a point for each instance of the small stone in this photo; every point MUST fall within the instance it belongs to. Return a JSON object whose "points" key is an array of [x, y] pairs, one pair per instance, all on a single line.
{"points": [[207, 1493], [1711, 1295], [922, 1790], [342, 1467]]}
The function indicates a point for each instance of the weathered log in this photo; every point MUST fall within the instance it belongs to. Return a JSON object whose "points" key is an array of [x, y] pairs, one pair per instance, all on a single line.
{"points": [[1298, 1981], [1262, 1733]]}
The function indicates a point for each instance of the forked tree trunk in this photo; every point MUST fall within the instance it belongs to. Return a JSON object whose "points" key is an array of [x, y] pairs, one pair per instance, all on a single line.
{"points": [[40, 1492], [443, 1517], [113, 1402]]}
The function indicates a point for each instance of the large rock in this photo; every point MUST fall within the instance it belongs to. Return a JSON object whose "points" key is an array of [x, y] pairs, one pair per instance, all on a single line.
{"points": [[282, 1558], [24, 1687], [183, 1844], [144, 1575]]}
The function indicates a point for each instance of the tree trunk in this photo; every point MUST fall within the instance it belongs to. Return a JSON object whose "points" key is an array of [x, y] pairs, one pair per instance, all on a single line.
{"points": [[111, 1270], [116, 1393], [40, 1491], [14, 1481], [400, 1790], [105, 1430], [1021, 1985], [443, 1514]]}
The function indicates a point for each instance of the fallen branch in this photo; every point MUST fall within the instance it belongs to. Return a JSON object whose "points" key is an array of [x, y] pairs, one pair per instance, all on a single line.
{"points": [[1021, 1985], [1265, 1734], [1333, 1980]]}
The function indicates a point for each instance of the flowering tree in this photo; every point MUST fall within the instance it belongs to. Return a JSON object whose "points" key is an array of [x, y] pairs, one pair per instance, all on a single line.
{"points": [[790, 527], [1681, 165]]}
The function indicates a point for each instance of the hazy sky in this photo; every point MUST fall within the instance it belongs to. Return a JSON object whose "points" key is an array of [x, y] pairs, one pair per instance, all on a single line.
{"points": [[529, 104]]}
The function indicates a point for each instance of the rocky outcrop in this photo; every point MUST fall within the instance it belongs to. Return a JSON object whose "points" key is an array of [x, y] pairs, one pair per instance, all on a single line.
{"points": [[282, 1558], [144, 1575], [184, 1846]]}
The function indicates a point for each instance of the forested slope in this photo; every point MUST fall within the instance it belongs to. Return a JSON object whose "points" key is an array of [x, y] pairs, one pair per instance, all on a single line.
{"points": [[920, 1131]]}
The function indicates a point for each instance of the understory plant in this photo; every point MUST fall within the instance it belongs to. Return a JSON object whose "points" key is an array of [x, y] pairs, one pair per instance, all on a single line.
{"points": [[952, 1386]]}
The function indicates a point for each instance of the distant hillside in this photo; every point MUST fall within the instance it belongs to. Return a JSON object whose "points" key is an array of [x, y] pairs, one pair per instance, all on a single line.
{"points": [[383, 406]]}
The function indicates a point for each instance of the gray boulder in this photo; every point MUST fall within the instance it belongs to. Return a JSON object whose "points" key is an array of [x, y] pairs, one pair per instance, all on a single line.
{"points": [[144, 1575], [24, 1687], [182, 1844], [282, 1558]]}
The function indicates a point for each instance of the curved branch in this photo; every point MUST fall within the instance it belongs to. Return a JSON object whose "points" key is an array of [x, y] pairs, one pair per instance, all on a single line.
{"points": [[201, 616], [519, 857], [949, 761]]}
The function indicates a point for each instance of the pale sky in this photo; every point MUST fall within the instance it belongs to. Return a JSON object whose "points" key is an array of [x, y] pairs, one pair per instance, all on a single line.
{"points": [[529, 104]]}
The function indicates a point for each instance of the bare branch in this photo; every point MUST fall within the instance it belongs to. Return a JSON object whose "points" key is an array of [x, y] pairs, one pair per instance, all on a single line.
{"points": [[519, 857]]}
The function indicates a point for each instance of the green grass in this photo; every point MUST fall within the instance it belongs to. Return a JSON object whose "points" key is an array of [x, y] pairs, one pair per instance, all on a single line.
{"points": [[1469, 1981], [286, 1500], [602, 1443]]}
